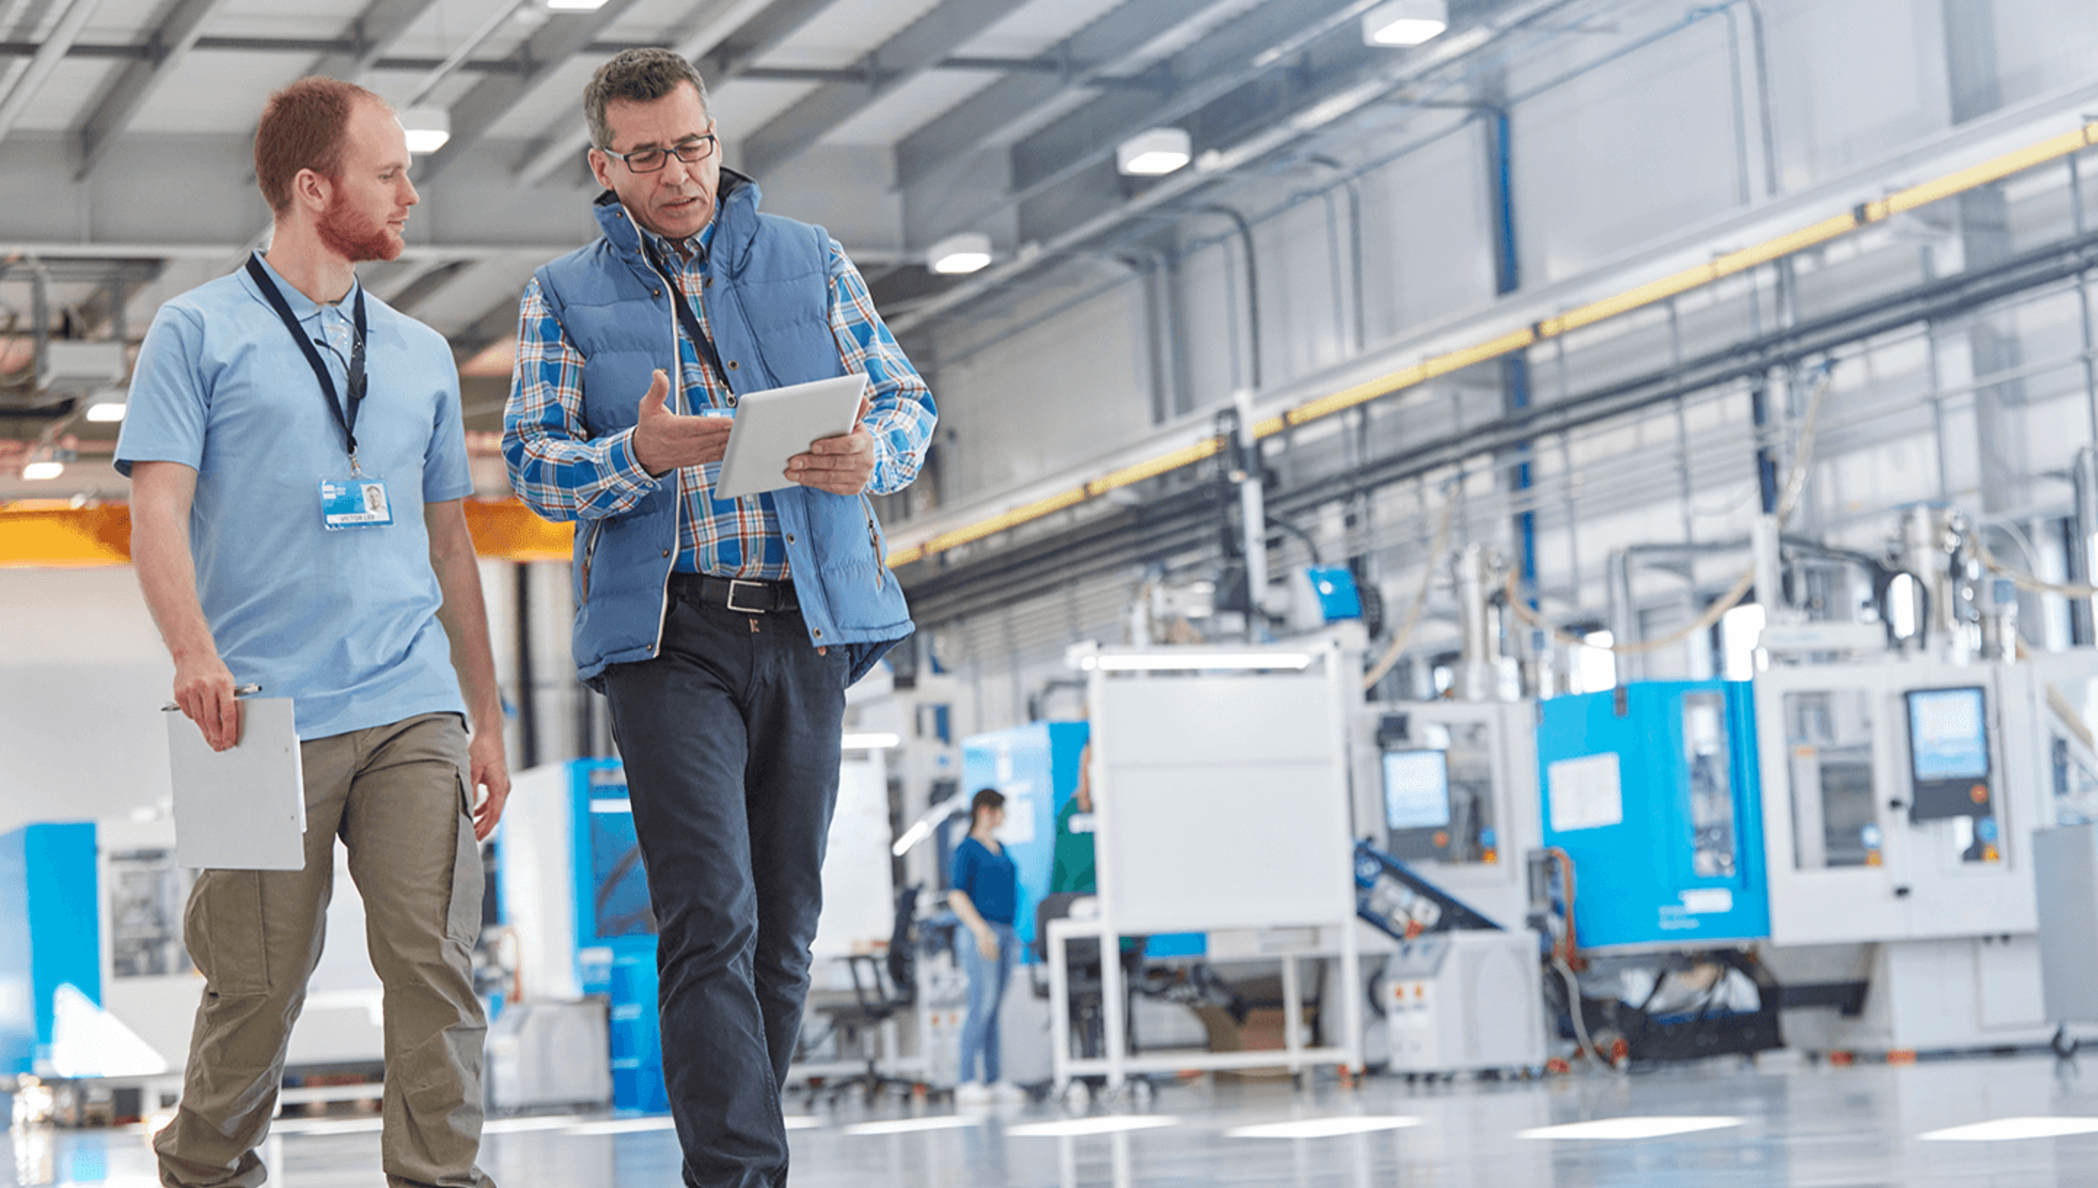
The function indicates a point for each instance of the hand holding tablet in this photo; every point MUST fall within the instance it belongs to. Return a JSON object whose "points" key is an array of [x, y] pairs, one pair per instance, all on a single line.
{"points": [[801, 434]]}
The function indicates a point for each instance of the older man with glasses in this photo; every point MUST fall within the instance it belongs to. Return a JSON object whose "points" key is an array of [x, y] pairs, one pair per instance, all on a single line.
{"points": [[723, 631]]}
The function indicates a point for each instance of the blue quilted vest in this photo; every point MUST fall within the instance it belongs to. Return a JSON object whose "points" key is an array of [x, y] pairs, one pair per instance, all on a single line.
{"points": [[768, 309]]}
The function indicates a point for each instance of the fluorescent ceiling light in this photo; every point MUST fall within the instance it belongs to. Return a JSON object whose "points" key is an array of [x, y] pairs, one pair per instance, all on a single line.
{"points": [[574, 5], [1323, 1127], [1405, 22], [107, 407], [1630, 1128], [1154, 151], [969, 251], [1192, 660], [2012, 1129], [427, 128], [912, 1125], [870, 742], [37, 472], [1105, 1124]]}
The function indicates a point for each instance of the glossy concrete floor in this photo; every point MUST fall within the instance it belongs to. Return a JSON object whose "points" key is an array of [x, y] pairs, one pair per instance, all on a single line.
{"points": [[1735, 1125]]}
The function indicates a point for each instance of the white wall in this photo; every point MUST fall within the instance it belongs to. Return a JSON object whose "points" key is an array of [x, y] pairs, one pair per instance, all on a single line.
{"points": [[1650, 147], [83, 675], [82, 679]]}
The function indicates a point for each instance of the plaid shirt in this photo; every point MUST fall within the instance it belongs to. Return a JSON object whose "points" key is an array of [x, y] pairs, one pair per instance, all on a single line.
{"points": [[567, 475]]}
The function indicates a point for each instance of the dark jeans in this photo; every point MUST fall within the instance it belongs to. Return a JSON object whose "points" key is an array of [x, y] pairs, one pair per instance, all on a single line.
{"points": [[731, 741]]}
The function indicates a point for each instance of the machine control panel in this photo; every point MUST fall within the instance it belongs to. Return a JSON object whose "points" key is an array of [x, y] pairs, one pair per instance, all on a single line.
{"points": [[1949, 765]]}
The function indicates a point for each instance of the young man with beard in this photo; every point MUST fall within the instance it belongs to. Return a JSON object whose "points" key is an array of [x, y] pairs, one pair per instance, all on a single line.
{"points": [[723, 631], [297, 462]]}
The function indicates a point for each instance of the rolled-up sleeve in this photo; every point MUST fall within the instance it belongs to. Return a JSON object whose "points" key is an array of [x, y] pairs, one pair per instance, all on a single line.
{"points": [[555, 466]]}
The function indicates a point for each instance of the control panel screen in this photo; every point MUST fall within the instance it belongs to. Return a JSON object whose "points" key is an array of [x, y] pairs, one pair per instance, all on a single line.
{"points": [[1948, 734], [1416, 790]]}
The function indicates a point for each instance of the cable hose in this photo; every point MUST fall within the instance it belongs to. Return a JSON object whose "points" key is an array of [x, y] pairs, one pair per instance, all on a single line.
{"points": [[1404, 636], [1795, 483]]}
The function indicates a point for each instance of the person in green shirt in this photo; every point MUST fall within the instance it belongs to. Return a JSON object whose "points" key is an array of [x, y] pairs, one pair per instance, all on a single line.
{"points": [[1071, 863]]}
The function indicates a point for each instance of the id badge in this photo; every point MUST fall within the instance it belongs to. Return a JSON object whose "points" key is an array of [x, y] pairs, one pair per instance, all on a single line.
{"points": [[355, 503]]}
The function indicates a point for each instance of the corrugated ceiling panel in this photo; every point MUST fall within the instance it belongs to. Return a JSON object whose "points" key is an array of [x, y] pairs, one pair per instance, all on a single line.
{"points": [[62, 101], [846, 31], [217, 91], [910, 106]]}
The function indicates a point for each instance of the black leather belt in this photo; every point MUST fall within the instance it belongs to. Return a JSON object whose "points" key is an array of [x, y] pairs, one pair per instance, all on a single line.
{"points": [[737, 594]]}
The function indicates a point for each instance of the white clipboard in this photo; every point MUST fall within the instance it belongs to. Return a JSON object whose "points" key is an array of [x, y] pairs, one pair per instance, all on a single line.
{"points": [[243, 808], [778, 423]]}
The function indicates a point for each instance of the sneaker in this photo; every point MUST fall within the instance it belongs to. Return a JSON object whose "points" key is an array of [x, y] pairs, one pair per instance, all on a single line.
{"points": [[1005, 1091], [972, 1093]]}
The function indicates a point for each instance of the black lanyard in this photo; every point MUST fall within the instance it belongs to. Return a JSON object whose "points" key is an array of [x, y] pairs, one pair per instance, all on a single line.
{"points": [[313, 357], [685, 316]]}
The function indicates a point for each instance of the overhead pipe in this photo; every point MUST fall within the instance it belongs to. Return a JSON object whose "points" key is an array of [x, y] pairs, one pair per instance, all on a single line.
{"points": [[1245, 238], [1414, 66]]}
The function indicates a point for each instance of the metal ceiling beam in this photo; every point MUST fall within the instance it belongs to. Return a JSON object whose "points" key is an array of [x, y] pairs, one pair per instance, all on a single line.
{"points": [[719, 58], [903, 57], [375, 31], [48, 55], [543, 54], [1093, 51], [173, 35]]}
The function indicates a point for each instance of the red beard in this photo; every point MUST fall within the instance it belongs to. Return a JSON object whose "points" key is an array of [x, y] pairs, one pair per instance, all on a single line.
{"points": [[354, 237]]}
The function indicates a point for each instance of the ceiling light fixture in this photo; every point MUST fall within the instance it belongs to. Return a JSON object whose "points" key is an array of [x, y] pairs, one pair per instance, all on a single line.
{"points": [[1405, 22], [1154, 151], [574, 5], [427, 128], [969, 251], [37, 472], [106, 408]]}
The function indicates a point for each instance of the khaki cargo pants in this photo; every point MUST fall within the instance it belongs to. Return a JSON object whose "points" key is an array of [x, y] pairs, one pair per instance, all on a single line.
{"points": [[398, 797]]}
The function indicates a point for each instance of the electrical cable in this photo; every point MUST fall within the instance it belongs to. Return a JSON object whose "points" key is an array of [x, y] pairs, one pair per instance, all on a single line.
{"points": [[1795, 483], [2026, 581], [1404, 635]]}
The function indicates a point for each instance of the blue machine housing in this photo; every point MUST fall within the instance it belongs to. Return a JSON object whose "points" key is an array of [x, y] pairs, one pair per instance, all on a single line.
{"points": [[1036, 767], [50, 934], [1653, 790]]}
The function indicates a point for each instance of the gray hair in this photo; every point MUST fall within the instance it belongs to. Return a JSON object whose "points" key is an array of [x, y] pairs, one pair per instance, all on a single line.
{"points": [[635, 76]]}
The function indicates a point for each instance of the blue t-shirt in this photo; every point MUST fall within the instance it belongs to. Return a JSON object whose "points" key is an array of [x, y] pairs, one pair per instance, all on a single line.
{"points": [[344, 622], [991, 881]]}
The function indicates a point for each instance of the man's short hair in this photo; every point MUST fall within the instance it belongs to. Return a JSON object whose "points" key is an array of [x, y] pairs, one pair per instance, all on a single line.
{"points": [[303, 127], [985, 800], [636, 76]]}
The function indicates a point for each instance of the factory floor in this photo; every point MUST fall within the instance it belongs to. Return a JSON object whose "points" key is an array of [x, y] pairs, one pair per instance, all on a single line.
{"points": [[2006, 1122]]}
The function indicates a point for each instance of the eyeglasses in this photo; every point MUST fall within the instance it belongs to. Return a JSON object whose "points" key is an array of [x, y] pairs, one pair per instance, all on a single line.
{"points": [[652, 160]]}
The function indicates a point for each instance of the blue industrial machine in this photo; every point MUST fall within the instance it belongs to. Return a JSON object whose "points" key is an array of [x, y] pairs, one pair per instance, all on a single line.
{"points": [[50, 936], [1652, 791], [1036, 767], [570, 862]]}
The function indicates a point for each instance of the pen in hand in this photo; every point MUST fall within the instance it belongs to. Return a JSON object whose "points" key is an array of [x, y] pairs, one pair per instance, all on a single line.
{"points": [[238, 691]]}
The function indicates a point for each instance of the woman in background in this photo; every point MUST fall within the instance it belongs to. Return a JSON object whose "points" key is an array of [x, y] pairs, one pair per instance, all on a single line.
{"points": [[985, 895]]}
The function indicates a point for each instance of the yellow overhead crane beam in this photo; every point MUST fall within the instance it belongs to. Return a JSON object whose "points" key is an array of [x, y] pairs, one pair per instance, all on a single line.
{"points": [[1638, 297], [54, 533]]}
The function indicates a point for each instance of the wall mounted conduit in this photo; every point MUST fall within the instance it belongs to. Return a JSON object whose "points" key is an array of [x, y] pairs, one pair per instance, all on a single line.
{"points": [[1638, 297]]}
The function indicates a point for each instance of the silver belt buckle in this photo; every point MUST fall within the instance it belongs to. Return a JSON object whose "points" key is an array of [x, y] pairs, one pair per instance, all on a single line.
{"points": [[733, 584]]}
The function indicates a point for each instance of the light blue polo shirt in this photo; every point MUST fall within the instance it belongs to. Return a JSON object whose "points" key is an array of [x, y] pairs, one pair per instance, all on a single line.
{"points": [[344, 622]]}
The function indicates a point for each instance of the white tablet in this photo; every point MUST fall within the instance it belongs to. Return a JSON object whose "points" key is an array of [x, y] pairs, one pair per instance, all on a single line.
{"points": [[774, 425]]}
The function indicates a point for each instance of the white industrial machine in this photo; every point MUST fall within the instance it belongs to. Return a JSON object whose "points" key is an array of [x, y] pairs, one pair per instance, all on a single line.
{"points": [[1464, 1002], [1902, 792]]}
